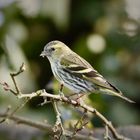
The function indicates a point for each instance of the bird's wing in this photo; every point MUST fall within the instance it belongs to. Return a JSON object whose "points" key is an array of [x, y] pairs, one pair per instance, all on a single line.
{"points": [[74, 59], [79, 67]]}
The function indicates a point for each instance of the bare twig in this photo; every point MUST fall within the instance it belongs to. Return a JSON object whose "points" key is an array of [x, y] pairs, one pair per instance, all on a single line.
{"points": [[61, 98], [45, 127], [75, 103], [58, 127], [13, 75], [6, 87], [106, 135], [44, 102], [6, 112], [14, 111], [21, 69], [80, 124], [17, 92], [19, 107]]}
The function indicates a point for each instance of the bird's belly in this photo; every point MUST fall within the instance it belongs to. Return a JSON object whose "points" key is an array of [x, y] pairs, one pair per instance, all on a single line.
{"points": [[74, 83], [56, 71], [78, 85]]}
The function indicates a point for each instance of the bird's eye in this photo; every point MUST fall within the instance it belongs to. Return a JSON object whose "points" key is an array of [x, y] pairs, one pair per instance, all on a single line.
{"points": [[52, 49]]}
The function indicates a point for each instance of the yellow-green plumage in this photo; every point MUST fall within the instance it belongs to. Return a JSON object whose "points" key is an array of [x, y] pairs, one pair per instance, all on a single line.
{"points": [[75, 72]]}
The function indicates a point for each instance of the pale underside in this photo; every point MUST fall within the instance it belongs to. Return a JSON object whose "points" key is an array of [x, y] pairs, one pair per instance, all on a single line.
{"points": [[79, 71]]}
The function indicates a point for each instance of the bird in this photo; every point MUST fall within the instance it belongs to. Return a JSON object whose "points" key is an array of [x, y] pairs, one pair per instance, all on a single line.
{"points": [[75, 73]]}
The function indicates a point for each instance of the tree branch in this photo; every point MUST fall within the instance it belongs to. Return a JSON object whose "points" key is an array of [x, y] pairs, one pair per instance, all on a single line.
{"points": [[55, 98], [45, 127], [75, 104]]}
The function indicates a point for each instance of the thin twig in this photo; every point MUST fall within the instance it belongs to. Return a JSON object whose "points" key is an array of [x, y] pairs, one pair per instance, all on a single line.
{"points": [[42, 126], [74, 103], [106, 135], [14, 111], [6, 87], [20, 106], [44, 102], [58, 124], [80, 122], [6, 112], [21, 69], [63, 99], [13, 75]]}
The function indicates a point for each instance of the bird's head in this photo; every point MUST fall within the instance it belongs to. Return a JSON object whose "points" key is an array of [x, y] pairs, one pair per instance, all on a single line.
{"points": [[54, 50]]}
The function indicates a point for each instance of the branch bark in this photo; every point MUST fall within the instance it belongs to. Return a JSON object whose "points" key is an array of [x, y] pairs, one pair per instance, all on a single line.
{"points": [[55, 98], [45, 127], [75, 104]]}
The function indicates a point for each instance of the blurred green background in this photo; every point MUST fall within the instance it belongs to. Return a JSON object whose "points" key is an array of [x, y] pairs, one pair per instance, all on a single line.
{"points": [[105, 32]]}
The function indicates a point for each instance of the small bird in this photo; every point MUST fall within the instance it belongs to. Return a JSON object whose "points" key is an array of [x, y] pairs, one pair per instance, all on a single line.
{"points": [[76, 73]]}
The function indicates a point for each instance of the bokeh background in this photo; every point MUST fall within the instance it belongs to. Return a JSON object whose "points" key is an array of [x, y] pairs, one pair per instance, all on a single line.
{"points": [[105, 32]]}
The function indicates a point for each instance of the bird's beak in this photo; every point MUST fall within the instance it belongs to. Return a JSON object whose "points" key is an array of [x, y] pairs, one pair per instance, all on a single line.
{"points": [[43, 54]]}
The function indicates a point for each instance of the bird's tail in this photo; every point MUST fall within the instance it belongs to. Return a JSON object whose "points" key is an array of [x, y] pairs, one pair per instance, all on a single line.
{"points": [[110, 92]]}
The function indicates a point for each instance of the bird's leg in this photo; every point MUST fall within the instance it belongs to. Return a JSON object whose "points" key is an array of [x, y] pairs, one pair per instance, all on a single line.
{"points": [[61, 87], [61, 90]]}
